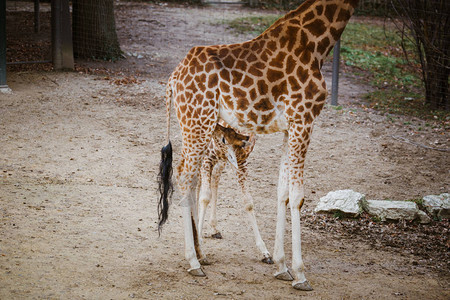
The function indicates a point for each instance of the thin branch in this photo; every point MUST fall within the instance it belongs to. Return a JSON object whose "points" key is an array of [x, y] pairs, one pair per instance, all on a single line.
{"points": [[404, 140]]}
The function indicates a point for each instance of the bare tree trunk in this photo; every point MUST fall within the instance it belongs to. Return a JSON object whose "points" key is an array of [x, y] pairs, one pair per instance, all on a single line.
{"points": [[426, 24], [94, 30]]}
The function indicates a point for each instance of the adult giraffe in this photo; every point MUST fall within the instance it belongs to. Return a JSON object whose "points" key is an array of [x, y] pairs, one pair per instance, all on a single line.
{"points": [[269, 84]]}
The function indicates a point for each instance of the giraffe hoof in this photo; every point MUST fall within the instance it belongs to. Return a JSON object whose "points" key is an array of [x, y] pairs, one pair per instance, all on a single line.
{"points": [[204, 262], [286, 276], [267, 260], [197, 272], [216, 235], [302, 286]]}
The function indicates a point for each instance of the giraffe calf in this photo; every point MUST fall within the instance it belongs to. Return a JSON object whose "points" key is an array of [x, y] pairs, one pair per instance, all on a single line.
{"points": [[227, 146]]}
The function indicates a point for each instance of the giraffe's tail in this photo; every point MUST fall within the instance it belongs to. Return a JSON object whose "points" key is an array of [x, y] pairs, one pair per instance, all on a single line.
{"points": [[165, 169], [168, 97], [165, 184]]}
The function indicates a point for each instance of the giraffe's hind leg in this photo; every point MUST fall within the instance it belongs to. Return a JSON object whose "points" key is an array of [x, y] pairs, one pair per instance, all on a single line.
{"points": [[187, 181], [197, 129]]}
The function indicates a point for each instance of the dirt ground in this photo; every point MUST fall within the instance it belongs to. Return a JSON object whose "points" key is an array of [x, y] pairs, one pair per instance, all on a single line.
{"points": [[78, 165]]}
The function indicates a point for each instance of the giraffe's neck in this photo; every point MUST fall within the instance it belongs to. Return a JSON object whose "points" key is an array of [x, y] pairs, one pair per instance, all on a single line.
{"points": [[312, 29]]}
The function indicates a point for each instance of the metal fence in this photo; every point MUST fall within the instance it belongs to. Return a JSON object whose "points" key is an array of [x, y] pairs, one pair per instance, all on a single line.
{"points": [[425, 25], [28, 34]]}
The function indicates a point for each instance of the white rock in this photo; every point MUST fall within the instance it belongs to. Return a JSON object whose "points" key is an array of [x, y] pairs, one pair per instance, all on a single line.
{"points": [[5, 90], [423, 217], [438, 205], [346, 201], [394, 210]]}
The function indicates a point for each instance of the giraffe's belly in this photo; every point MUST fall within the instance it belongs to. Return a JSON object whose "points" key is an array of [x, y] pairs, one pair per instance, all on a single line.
{"points": [[243, 122]]}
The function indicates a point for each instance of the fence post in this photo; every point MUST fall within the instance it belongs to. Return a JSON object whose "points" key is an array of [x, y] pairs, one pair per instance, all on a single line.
{"points": [[37, 19], [335, 77], [62, 48], [3, 45]]}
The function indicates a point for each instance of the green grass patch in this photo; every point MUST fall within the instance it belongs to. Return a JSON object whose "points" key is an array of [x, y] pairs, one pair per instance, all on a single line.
{"points": [[372, 37], [384, 68], [338, 215], [418, 201], [253, 25], [338, 107], [377, 51]]}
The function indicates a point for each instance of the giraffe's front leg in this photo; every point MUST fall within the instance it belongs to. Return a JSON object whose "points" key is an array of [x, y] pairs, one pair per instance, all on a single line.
{"points": [[283, 198], [298, 144], [249, 209], [204, 195], [215, 178], [296, 196]]}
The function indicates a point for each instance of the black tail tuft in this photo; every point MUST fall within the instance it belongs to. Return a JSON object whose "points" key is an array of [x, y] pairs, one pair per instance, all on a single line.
{"points": [[165, 185]]}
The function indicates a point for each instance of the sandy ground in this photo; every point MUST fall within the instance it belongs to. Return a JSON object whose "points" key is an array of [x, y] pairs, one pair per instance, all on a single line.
{"points": [[78, 165]]}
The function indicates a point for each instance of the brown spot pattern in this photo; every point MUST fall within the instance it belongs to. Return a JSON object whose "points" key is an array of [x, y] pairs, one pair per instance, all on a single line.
{"points": [[254, 71], [247, 82], [263, 105], [239, 93], [330, 11], [225, 88], [290, 65], [268, 117], [212, 80], [274, 75], [262, 87], [322, 46], [343, 15], [236, 77], [280, 89], [228, 62], [225, 75], [317, 27], [311, 90], [277, 61], [242, 104]]}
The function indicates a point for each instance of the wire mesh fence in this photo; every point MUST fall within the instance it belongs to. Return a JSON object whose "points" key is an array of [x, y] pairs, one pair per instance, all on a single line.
{"points": [[424, 26], [28, 34], [94, 30]]}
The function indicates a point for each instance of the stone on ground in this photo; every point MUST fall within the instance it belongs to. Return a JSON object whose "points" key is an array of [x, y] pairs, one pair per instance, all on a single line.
{"points": [[394, 210], [438, 205], [345, 201]]}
